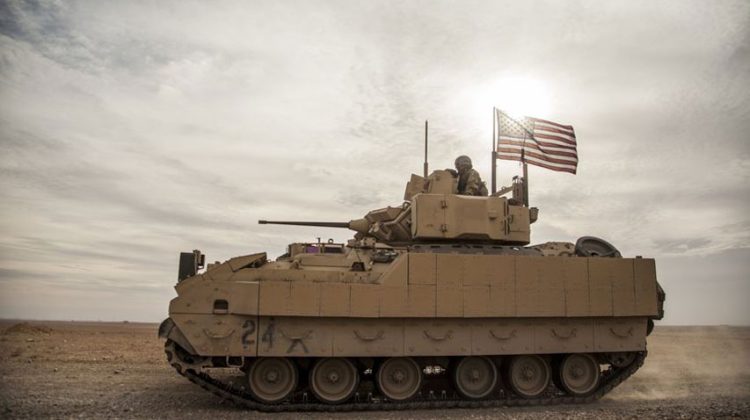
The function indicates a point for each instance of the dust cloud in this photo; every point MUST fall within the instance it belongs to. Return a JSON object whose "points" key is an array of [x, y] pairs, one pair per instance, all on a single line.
{"points": [[686, 362]]}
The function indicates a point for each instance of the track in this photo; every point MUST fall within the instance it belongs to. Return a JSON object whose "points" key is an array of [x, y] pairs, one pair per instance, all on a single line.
{"points": [[433, 400]]}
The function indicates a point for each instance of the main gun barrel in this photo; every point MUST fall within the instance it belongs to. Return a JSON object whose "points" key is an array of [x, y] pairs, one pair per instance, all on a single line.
{"points": [[319, 224], [357, 225]]}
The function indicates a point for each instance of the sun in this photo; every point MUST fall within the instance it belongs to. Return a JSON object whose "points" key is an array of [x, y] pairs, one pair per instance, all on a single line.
{"points": [[517, 95]]}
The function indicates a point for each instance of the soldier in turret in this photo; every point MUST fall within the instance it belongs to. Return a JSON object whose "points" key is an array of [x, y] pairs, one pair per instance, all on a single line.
{"points": [[469, 181]]}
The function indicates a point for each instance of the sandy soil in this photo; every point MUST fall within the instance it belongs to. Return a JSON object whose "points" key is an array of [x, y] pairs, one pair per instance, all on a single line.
{"points": [[118, 370]]}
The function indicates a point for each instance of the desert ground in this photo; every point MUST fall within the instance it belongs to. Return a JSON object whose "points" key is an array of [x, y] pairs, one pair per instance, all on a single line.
{"points": [[118, 370]]}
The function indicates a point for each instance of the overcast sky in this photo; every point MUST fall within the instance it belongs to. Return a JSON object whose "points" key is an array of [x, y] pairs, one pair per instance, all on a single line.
{"points": [[132, 131]]}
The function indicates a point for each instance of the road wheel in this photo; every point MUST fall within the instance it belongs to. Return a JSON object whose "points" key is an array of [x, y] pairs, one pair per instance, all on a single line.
{"points": [[579, 374], [621, 359], [333, 380], [475, 377], [272, 379], [528, 375], [399, 378]]}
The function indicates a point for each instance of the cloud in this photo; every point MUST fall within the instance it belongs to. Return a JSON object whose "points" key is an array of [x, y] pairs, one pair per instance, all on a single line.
{"points": [[131, 132], [681, 246]]}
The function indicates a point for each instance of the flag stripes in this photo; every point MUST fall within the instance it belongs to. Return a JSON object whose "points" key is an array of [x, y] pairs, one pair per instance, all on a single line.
{"points": [[563, 157], [538, 142], [563, 150], [545, 122], [531, 153], [542, 135]]}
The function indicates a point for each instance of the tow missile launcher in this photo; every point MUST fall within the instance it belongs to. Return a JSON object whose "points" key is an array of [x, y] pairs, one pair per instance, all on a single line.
{"points": [[438, 302]]}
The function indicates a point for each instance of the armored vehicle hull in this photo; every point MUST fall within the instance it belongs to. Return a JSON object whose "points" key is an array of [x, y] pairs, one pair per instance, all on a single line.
{"points": [[434, 303], [372, 326]]}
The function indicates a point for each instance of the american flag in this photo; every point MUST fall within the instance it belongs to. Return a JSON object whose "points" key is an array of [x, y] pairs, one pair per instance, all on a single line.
{"points": [[538, 142]]}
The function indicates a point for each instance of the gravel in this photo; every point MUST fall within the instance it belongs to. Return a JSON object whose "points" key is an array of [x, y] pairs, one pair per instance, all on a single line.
{"points": [[118, 370]]}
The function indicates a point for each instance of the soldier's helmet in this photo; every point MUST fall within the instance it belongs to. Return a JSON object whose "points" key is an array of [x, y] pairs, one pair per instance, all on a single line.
{"points": [[463, 161]]}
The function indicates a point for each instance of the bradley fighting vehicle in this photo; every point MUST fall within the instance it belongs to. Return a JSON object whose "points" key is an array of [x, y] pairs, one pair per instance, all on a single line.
{"points": [[438, 302]]}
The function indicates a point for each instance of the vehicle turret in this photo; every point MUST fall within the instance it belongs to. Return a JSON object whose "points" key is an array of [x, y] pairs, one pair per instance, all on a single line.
{"points": [[433, 211]]}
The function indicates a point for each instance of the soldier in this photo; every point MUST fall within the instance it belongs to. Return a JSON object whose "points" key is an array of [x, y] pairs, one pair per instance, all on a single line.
{"points": [[469, 181]]}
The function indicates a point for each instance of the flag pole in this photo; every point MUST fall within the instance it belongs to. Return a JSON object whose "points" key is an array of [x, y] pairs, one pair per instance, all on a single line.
{"points": [[526, 184], [494, 152], [526, 134], [525, 169]]}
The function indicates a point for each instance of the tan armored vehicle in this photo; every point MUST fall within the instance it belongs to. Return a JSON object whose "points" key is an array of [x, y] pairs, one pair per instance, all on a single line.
{"points": [[438, 302]]}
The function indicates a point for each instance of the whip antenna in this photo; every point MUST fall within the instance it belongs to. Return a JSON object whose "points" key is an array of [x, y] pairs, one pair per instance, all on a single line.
{"points": [[426, 165]]}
